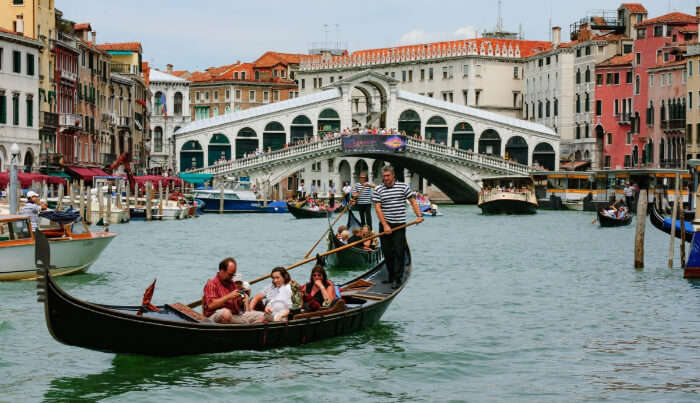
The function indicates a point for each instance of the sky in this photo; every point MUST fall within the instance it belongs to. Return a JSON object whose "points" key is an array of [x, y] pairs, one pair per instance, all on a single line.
{"points": [[196, 34]]}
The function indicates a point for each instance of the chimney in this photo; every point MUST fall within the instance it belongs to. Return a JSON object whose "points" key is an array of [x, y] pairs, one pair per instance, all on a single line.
{"points": [[556, 37], [170, 68], [19, 24], [94, 37]]}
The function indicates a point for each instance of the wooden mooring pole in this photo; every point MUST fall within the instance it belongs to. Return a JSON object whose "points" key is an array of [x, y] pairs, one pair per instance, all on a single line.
{"points": [[641, 227], [682, 219], [673, 223], [221, 201], [149, 196]]}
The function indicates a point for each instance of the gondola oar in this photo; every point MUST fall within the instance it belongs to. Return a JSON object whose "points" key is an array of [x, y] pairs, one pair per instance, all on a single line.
{"points": [[326, 232], [311, 259]]}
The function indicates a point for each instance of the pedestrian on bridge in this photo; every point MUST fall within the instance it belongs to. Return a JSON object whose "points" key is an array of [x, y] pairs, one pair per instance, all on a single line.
{"points": [[390, 203], [362, 195]]}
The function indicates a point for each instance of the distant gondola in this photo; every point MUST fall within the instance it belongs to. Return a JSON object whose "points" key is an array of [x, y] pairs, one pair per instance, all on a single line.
{"points": [[300, 212], [664, 224], [177, 330], [354, 257], [607, 221]]}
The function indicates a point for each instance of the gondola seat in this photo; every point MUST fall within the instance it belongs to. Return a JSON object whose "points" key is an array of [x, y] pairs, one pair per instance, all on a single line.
{"points": [[187, 312], [338, 305]]}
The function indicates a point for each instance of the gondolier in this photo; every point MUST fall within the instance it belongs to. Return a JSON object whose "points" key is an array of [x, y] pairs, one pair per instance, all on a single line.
{"points": [[362, 195], [389, 201]]}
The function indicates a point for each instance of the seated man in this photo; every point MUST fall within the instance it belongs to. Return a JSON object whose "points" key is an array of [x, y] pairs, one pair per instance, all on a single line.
{"points": [[341, 228], [356, 235], [223, 301]]}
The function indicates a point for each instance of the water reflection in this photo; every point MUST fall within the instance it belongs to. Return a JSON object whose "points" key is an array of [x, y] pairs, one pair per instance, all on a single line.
{"points": [[134, 373]]}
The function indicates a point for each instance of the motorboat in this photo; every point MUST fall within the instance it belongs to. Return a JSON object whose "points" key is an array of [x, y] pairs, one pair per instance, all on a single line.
{"points": [[507, 195]]}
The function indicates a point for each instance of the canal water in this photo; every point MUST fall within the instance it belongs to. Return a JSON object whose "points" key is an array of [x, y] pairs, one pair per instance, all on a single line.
{"points": [[533, 308]]}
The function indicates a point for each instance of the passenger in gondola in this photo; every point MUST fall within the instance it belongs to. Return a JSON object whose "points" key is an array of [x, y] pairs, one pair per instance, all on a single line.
{"points": [[277, 296], [345, 236], [370, 243], [319, 292], [356, 232], [621, 212], [339, 235], [223, 301]]}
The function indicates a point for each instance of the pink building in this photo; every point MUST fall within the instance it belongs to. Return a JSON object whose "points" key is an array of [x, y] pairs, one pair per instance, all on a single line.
{"points": [[613, 109]]}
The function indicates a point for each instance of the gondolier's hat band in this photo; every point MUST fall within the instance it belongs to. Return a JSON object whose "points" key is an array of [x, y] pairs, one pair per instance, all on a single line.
{"points": [[32, 193]]}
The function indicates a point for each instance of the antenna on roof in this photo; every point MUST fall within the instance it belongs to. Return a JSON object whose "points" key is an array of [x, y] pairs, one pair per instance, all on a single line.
{"points": [[499, 22], [337, 36], [325, 33]]}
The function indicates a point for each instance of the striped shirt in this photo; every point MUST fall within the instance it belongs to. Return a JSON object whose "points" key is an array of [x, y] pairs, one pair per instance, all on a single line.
{"points": [[364, 193], [393, 201]]}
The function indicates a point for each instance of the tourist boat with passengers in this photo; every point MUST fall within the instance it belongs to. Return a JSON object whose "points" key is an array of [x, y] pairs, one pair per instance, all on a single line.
{"points": [[607, 221], [238, 197], [507, 195], [175, 329], [664, 224], [75, 247], [354, 257], [299, 210]]}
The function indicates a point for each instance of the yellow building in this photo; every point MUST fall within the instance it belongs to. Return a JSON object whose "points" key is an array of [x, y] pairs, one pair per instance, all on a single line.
{"points": [[692, 118]]}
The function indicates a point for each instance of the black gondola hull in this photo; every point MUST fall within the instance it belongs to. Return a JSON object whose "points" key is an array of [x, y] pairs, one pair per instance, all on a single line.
{"points": [[606, 221], [657, 220], [306, 213], [508, 207]]}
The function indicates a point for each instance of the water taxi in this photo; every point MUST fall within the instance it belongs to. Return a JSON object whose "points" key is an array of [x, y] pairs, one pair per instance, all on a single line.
{"points": [[507, 195], [73, 251]]}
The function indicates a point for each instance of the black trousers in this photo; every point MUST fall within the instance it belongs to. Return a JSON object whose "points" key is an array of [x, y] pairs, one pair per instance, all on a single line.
{"points": [[393, 248], [331, 201], [365, 211]]}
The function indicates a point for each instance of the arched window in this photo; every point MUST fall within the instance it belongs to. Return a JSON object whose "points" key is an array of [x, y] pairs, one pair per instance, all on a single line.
{"points": [[274, 136], [159, 103], [246, 142], [546, 108], [578, 103], [177, 108], [556, 107], [158, 139], [490, 142], [219, 148], [328, 122], [587, 104], [301, 128], [588, 74], [463, 136], [637, 85], [409, 122], [578, 76], [517, 150], [436, 129]]}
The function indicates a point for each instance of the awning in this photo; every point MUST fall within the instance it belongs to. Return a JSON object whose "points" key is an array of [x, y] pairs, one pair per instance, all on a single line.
{"points": [[99, 172], [574, 165], [195, 178], [85, 174], [26, 179], [60, 175]]}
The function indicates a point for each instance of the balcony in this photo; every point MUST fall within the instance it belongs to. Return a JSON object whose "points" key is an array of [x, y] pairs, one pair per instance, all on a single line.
{"points": [[124, 68], [70, 120], [673, 125], [50, 159], [624, 119], [123, 122], [48, 120], [69, 76]]}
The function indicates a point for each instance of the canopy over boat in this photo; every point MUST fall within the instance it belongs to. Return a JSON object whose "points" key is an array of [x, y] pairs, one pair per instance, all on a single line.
{"points": [[26, 179], [177, 330], [195, 178]]}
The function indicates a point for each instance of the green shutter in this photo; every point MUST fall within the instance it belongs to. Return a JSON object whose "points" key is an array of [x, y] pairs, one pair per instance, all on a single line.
{"points": [[15, 111], [80, 90], [16, 62], [30, 113], [3, 109], [30, 64]]}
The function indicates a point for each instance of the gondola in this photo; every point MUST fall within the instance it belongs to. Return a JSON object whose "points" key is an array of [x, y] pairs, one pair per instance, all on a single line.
{"points": [[607, 221], [300, 212], [354, 257], [176, 330], [664, 224]]}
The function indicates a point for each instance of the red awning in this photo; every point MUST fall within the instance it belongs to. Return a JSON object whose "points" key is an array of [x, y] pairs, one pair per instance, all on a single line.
{"points": [[84, 173], [99, 172], [26, 179]]}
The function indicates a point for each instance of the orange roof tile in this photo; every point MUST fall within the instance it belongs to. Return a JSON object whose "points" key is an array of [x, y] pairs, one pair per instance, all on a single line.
{"points": [[179, 73], [124, 46], [269, 59], [7, 31], [617, 61], [634, 7], [199, 76], [82, 27], [675, 18]]}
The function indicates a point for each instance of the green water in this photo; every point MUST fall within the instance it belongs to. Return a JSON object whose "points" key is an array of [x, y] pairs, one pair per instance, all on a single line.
{"points": [[533, 308]]}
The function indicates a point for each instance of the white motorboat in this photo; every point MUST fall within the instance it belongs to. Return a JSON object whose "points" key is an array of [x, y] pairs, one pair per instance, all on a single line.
{"points": [[71, 252]]}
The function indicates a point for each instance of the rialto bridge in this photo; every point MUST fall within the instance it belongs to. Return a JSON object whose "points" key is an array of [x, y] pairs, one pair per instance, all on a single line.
{"points": [[450, 145]]}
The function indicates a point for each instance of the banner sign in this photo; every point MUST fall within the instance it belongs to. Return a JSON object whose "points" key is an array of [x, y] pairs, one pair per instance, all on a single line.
{"points": [[374, 143]]}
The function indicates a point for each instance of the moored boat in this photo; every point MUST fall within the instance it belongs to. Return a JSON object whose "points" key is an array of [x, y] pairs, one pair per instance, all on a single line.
{"points": [[507, 195], [301, 212], [354, 257], [607, 221], [176, 329], [73, 252], [664, 224]]}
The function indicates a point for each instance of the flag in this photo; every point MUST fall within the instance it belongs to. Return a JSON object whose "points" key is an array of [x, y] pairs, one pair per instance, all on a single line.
{"points": [[146, 302]]}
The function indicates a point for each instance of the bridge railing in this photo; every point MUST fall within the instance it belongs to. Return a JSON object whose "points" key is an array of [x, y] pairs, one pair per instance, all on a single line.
{"points": [[267, 157], [477, 158]]}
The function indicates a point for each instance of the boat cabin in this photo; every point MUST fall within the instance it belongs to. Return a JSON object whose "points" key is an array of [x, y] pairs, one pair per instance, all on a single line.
{"points": [[15, 230], [521, 186]]}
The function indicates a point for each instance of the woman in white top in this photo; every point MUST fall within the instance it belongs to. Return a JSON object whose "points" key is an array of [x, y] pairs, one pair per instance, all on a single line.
{"points": [[276, 296]]}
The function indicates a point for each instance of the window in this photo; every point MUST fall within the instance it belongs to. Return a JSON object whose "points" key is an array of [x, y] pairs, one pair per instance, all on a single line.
{"points": [[251, 96], [627, 48], [422, 72], [549, 60], [30, 64], [638, 58], [477, 70], [410, 75], [609, 140], [578, 52], [3, 108], [617, 78], [556, 107], [206, 95], [15, 109], [393, 74], [587, 104], [216, 95], [275, 95], [637, 85], [578, 132], [587, 131], [658, 31], [196, 95], [257, 75], [690, 68], [546, 108], [578, 76], [608, 79], [1, 59], [588, 75], [598, 107], [651, 81], [403, 76], [641, 33], [16, 62], [598, 79], [242, 75], [578, 103], [332, 79], [303, 83], [690, 100], [588, 50], [228, 94], [238, 95], [430, 73], [266, 96], [30, 111], [516, 72], [616, 107]]}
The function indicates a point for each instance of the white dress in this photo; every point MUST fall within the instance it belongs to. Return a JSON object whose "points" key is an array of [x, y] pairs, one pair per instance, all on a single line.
{"points": [[279, 300]]}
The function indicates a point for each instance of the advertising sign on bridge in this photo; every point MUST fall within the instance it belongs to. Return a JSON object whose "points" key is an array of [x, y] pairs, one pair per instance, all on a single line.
{"points": [[374, 143]]}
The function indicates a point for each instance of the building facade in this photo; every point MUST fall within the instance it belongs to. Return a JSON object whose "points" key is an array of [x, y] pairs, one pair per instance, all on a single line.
{"points": [[170, 111], [19, 106], [692, 131]]}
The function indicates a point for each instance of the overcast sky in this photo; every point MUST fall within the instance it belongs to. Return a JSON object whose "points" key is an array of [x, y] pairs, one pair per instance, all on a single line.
{"points": [[196, 34]]}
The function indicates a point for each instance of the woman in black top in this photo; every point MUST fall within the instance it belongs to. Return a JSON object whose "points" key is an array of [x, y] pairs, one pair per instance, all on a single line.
{"points": [[319, 291]]}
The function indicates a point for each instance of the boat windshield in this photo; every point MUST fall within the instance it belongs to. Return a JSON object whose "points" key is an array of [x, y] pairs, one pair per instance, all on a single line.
{"points": [[14, 230]]}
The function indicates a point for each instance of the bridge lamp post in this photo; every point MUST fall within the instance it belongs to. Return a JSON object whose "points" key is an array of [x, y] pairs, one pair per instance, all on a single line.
{"points": [[14, 151]]}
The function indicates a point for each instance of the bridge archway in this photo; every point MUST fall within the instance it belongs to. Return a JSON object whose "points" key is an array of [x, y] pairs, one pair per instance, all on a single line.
{"points": [[274, 136], [344, 172], [375, 92], [191, 155], [409, 122], [246, 142], [328, 122], [377, 166], [360, 166], [516, 149], [219, 148], [463, 136], [301, 129], [436, 129], [490, 142], [543, 154]]}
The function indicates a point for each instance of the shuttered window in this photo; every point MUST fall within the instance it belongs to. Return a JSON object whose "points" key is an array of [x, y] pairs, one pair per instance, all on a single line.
{"points": [[30, 64], [3, 109], [30, 112], [16, 62]]}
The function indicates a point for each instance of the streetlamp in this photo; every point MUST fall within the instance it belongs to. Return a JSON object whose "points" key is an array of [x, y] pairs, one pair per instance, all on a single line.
{"points": [[14, 151]]}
